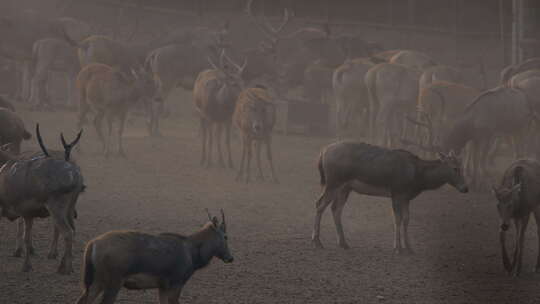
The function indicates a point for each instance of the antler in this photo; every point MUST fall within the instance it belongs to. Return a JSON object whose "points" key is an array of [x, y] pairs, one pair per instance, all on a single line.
{"points": [[69, 147], [223, 220], [40, 141], [267, 29]]}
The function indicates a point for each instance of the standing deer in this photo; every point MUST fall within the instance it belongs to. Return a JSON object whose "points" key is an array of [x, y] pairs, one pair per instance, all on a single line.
{"points": [[42, 186], [141, 261], [214, 94], [351, 93], [375, 171], [255, 116], [518, 197], [111, 93]]}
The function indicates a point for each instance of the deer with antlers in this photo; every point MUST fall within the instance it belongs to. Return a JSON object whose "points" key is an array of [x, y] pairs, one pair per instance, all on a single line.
{"points": [[42, 186], [214, 95]]}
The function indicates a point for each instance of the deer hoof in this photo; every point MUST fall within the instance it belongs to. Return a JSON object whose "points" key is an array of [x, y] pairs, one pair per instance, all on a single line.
{"points": [[317, 243], [18, 253], [52, 255], [344, 245], [65, 268], [27, 267]]}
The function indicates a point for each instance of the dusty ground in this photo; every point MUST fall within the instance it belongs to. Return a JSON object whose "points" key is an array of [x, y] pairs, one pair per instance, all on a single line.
{"points": [[161, 187]]}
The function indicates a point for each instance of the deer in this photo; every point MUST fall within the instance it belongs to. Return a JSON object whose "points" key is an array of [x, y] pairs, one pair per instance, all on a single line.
{"points": [[393, 92], [42, 186], [255, 117], [12, 130], [139, 261], [508, 72], [110, 93], [52, 54], [413, 59], [518, 196], [214, 95], [350, 92], [400, 175]]}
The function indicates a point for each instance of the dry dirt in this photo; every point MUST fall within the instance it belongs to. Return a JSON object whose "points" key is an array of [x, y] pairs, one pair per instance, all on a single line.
{"points": [[161, 187]]}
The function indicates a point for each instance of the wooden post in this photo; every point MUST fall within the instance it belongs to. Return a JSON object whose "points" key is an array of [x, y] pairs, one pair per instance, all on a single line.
{"points": [[456, 30], [517, 31], [502, 32]]}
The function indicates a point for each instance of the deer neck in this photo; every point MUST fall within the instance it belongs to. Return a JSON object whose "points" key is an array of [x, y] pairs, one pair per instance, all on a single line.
{"points": [[432, 174], [202, 250]]}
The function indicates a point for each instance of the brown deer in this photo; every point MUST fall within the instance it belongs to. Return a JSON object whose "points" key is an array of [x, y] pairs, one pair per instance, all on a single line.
{"points": [[110, 93], [42, 186], [140, 261], [255, 116], [518, 196], [214, 94], [376, 171]]}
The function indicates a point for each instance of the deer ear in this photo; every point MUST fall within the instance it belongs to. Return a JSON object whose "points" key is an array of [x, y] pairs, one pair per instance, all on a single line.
{"points": [[215, 221]]}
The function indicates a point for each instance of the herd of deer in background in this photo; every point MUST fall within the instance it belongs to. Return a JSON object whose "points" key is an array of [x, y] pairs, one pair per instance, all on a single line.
{"points": [[396, 100]]}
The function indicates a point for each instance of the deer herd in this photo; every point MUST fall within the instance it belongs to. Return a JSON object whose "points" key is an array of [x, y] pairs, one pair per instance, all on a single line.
{"points": [[401, 102]]}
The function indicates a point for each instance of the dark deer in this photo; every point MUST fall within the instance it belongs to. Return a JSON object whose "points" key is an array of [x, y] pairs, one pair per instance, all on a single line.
{"points": [[42, 186], [140, 261], [518, 197], [376, 171], [214, 94]]}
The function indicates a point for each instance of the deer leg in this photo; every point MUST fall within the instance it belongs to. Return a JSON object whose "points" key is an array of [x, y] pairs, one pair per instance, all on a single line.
{"points": [[108, 141], [209, 161], [90, 294], [111, 292], [337, 210], [28, 223], [398, 216], [243, 158], [19, 239], [53, 253], [537, 219], [249, 147], [121, 151], [260, 175], [405, 211], [521, 227], [98, 120], [219, 131], [270, 160], [228, 143], [60, 213], [170, 295], [324, 200], [203, 135]]}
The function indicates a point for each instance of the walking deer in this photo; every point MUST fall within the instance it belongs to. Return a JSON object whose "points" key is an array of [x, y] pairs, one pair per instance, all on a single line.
{"points": [[376, 171]]}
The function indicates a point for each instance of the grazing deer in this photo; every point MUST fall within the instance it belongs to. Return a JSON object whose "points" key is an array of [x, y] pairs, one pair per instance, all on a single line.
{"points": [[214, 94], [12, 130], [376, 171], [110, 93], [140, 261], [42, 186], [518, 196], [255, 116]]}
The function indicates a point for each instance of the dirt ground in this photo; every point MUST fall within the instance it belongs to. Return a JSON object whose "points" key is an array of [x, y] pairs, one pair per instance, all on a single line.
{"points": [[161, 187]]}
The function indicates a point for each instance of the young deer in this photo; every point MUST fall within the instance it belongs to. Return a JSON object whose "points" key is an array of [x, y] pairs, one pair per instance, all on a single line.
{"points": [[376, 171]]}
